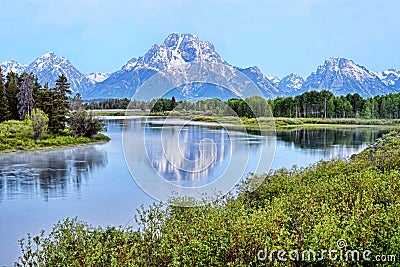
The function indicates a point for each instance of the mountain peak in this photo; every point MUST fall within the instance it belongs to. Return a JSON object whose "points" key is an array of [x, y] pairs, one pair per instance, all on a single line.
{"points": [[174, 39], [178, 49], [291, 84], [48, 55], [337, 63], [342, 76], [51, 56]]}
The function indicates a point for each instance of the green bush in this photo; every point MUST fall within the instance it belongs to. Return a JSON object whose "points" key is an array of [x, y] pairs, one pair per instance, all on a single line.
{"points": [[84, 124], [39, 123]]}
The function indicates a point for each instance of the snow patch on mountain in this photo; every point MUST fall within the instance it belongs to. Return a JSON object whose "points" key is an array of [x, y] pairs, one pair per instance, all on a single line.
{"points": [[97, 77], [49, 66], [274, 80], [12, 66], [389, 77]]}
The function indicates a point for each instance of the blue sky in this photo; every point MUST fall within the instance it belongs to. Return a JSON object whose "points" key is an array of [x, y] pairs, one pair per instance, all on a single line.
{"points": [[278, 36]]}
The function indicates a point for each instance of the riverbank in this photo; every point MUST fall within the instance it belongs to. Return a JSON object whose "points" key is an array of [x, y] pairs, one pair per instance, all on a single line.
{"points": [[263, 122], [339, 205], [266, 124], [18, 136]]}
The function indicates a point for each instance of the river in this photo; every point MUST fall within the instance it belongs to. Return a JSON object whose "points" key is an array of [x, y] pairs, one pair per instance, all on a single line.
{"points": [[93, 182]]}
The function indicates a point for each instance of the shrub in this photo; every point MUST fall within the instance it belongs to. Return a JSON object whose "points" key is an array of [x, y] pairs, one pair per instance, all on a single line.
{"points": [[84, 124], [39, 123]]}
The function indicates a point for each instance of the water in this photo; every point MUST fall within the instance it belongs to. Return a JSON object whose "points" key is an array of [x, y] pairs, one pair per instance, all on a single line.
{"points": [[93, 182]]}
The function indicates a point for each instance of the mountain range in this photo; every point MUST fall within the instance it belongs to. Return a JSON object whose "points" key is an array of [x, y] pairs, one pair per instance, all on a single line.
{"points": [[338, 75]]}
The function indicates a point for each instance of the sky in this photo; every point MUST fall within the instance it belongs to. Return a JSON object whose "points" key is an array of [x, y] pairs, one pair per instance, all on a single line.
{"points": [[278, 36]]}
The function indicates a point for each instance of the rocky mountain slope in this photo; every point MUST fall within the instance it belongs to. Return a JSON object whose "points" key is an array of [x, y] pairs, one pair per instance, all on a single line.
{"points": [[178, 52]]}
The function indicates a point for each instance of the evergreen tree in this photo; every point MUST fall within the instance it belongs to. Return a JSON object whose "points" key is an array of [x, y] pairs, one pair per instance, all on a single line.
{"points": [[4, 108], [384, 108], [36, 88], [374, 108], [367, 109], [60, 106], [330, 106], [46, 103], [173, 103], [25, 96], [347, 108], [12, 89]]}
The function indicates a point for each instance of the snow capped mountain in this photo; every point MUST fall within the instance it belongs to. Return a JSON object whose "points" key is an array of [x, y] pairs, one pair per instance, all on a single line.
{"points": [[97, 77], [179, 50], [291, 84], [338, 75], [48, 67], [389, 77], [342, 76], [262, 81], [14, 66]]}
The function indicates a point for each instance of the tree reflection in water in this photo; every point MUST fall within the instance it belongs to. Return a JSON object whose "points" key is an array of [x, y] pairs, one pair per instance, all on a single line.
{"points": [[48, 174], [326, 138]]}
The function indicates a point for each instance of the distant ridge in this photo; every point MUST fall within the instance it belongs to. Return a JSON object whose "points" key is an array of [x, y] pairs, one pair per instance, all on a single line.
{"points": [[341, 76]]}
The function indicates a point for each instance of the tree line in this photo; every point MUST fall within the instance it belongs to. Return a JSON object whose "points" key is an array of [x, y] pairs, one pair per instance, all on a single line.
{"points": [[23, 97], [250, 107], [323, 104], [312, 104]]}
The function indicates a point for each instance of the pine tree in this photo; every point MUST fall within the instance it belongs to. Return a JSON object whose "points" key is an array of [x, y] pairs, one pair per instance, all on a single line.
{"points": [[4, 108], [173, 103], [330, 106], [12, 89], [25, 96], [61, 106], [367, 114]]}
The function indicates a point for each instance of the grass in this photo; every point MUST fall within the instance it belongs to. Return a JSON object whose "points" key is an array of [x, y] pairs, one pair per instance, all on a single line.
{"points": [[18, 136]]}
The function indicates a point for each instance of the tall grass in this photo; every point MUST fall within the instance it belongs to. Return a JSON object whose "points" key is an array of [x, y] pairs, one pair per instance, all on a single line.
{"points": [[18, 135]]}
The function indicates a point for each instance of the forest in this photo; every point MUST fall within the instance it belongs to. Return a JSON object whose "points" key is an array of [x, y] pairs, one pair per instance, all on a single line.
{"points": [[312, 104], [21, 94], [33, 116], [323, 104]]}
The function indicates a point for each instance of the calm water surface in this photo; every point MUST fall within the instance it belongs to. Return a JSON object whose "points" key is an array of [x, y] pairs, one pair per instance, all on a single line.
{"points": [[37, 189]]}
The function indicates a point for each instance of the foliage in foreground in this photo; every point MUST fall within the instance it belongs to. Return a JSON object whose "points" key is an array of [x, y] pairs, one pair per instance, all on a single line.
{"points": [[18, 135], [296, 209]]}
